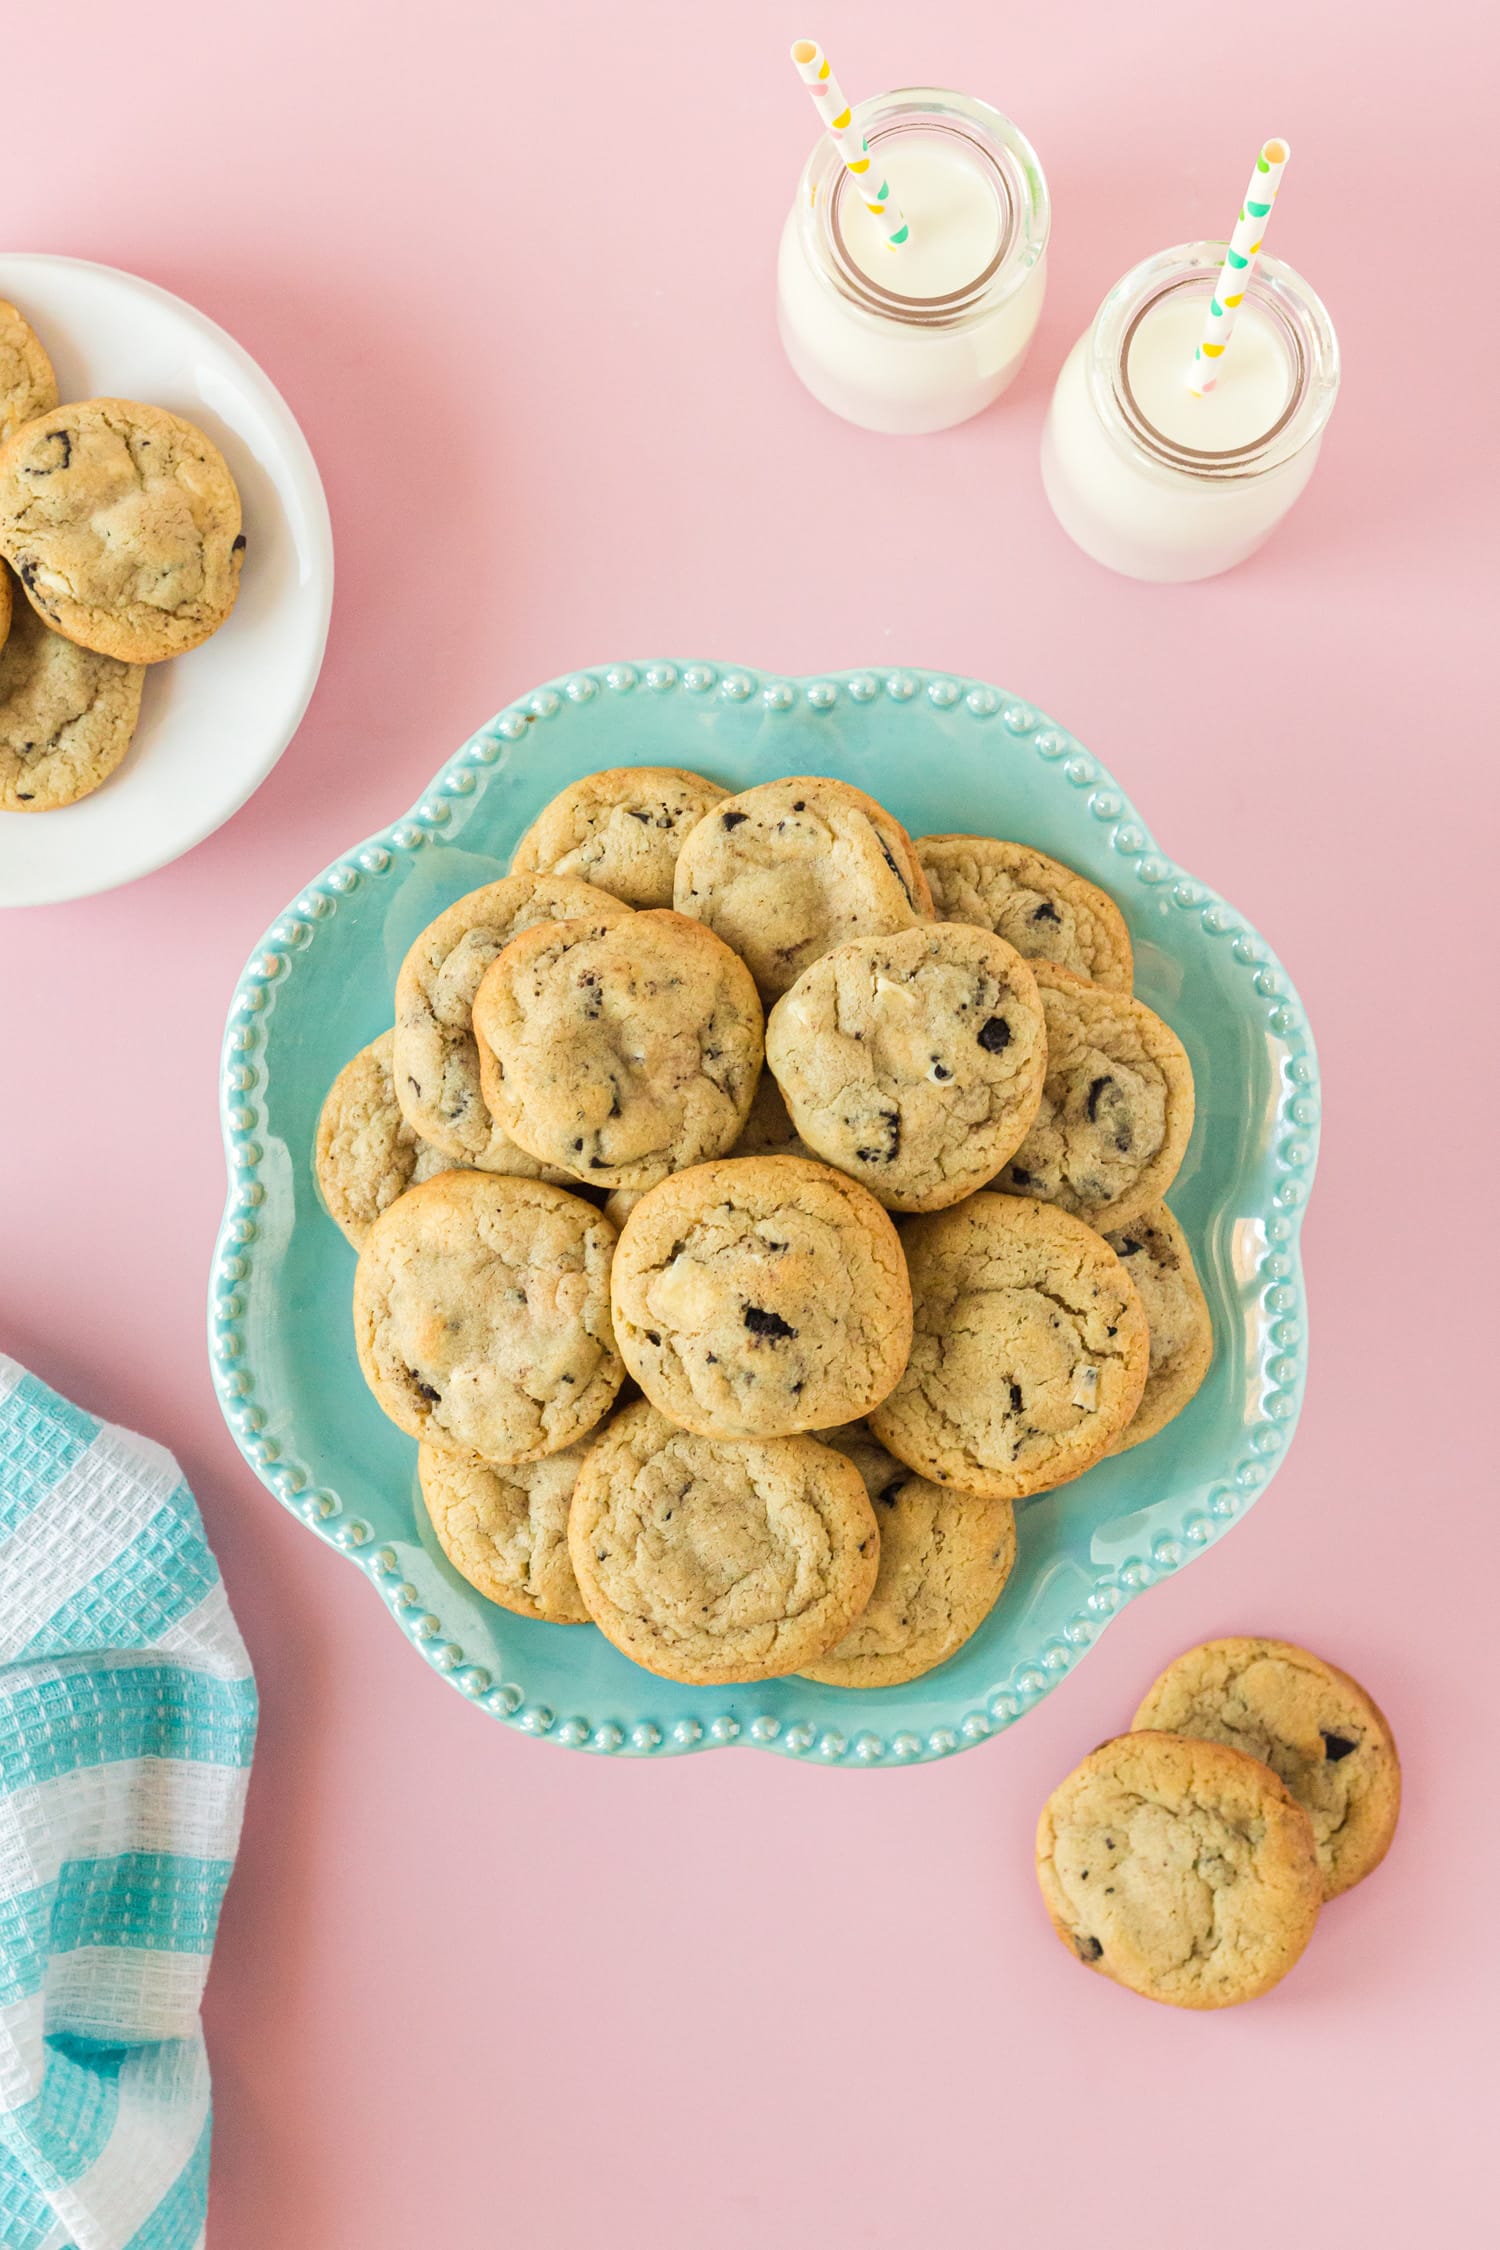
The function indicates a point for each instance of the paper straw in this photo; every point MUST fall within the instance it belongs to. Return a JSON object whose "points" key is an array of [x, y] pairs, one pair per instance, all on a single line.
{"points": [[1234, 274], [837, 120]]}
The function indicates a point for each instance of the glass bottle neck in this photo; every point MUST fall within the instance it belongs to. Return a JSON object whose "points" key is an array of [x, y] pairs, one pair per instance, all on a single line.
{"points": [[1009, 207], [1292, 323]]}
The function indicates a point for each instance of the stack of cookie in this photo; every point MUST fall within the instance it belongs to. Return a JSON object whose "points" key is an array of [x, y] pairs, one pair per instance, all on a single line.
{"points": [[652, 1108], [1189, 1858], [121, 524]]}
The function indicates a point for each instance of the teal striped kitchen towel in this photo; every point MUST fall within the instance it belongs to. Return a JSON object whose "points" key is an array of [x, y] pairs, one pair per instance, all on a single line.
{"points": [[127, 1718]]}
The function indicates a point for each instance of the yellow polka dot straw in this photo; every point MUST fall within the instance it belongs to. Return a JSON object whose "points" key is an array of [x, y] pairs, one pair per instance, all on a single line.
{"points": [[1238, 266], [837, 120]]}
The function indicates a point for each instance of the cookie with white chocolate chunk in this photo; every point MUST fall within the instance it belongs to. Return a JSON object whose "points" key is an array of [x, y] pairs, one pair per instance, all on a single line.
{"points": [[1029, 1351], [713, 1563], [1155, 1249], [760, 1296], [620, 830], [1116, 1112], [1315, 1727], [435, 1065], [481, 1315], [122, 522], [619, 1051], [914, 1063], [1179, 1868], [786, 870], [1047, 911]]}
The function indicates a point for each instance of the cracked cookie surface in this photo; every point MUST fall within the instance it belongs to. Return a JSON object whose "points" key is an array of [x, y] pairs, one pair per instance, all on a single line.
{"points": [[67, 715], [481, 1315], [1047, 911], [28, 387], [620, 831], [1029, 1354], [619, 1051], [1155, 1251], [1117, 1105], [786, 870], [712, 1563], [914, 1063], [436, 1058], [506, 1530], [366, 1154], [944, 1561], [1315, 1727], [1181, 1869], [122, 522], [759, 1296]]}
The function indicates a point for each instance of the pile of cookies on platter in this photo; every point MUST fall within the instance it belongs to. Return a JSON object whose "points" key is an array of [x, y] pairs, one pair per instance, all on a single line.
{"points": [[120, 545], [1189, 1859], [848, 1151]]}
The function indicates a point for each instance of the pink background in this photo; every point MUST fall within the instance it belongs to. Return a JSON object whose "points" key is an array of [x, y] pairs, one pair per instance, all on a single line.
{"points": [[512, 266]]}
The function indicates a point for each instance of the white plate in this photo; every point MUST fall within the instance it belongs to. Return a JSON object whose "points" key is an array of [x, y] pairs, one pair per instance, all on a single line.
{"points": [[213, 723]]}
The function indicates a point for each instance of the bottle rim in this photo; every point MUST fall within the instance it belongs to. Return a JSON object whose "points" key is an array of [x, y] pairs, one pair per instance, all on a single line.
{"points": [[1299, 318], [1016, 176]]}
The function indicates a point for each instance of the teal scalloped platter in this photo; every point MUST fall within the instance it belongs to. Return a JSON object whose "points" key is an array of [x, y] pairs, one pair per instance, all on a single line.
{"points": [[944, 754]]}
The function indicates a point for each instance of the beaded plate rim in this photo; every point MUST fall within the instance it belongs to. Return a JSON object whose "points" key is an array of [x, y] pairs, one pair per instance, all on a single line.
{"points": [[1280, 1349]]}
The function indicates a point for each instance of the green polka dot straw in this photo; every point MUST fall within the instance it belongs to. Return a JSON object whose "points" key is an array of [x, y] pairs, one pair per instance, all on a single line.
{"points": [[837, 120], [1238, 266]]}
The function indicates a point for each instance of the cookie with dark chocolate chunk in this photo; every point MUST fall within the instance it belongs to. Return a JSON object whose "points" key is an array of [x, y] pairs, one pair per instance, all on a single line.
{"points": [[122, 522], [1116, 1111], [1314, 1726], [914, 1063]]}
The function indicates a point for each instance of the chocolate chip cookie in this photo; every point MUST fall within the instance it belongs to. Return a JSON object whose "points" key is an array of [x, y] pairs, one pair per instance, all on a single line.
{"points": [[1045, 910], [787, 870], [506, 1530], [1155, 1250], [366, 1154], [122, 522], [944, 1559], [760, 1296], [67, 716], [1117, 1105], [914, 1063], [481, 1315], [714, 1563], [619, 1051], [436, 1061], [1030, 1349], [1183, 1870], [28, 386], [620, 831], [1317, 1730]]}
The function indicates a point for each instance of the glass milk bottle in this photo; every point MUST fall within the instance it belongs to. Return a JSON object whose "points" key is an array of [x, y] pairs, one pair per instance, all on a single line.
{"points": [[1157, 483], [921, 337]]}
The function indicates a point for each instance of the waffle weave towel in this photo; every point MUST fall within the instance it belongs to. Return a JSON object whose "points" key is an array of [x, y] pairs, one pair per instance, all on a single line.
{"points": [[127, 1717]]}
